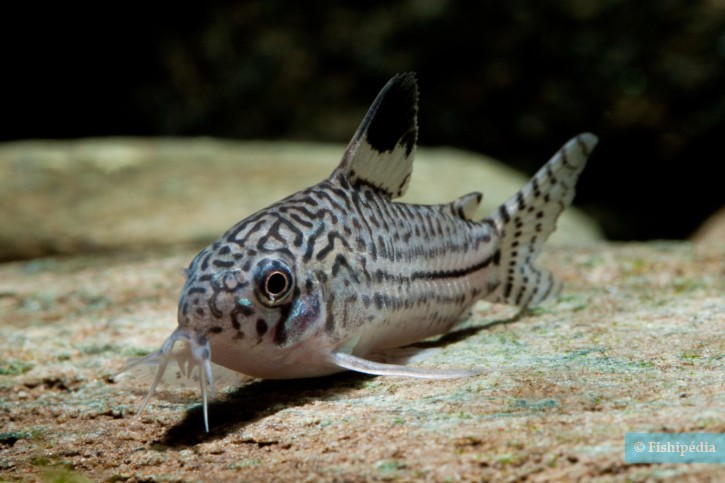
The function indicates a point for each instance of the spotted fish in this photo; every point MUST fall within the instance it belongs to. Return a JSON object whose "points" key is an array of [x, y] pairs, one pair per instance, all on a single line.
{"points": [[316, 283]]}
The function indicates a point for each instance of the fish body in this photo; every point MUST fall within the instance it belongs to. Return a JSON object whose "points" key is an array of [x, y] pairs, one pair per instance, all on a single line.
{"points": [[317, 282], [365, 273]]}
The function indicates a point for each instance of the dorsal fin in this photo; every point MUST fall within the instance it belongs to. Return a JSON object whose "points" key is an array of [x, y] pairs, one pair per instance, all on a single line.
{"points": [[466, 205], [381, 152]]}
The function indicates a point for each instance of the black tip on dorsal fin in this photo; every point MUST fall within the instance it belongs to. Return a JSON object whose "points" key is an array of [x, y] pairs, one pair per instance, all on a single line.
{"points": [[380, 154], [393, 118]]}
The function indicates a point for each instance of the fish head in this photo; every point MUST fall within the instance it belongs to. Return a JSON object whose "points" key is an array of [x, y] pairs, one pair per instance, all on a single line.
{"points": [[250, 305], [261, 312]]}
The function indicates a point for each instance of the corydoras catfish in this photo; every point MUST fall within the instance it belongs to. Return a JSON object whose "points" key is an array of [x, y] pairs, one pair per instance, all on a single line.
{"points": [[319, 281]]}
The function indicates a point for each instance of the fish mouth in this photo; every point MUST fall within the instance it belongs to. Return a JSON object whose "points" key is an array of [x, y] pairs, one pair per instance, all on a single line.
{"points": [[195, 353]]}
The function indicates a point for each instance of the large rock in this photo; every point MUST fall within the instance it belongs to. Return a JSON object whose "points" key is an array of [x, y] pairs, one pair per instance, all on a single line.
{"points": [[635, 343], [712, 230], [119, 194]]}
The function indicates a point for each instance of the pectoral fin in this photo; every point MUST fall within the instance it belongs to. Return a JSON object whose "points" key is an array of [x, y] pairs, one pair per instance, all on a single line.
{"points": [[353, 363]]}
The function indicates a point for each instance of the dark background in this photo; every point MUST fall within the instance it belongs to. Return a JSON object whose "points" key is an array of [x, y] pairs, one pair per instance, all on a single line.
{"points": [[511, 79]]}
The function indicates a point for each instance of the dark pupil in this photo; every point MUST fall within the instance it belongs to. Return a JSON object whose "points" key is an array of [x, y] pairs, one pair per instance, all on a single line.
{"points": [[276, 283]]}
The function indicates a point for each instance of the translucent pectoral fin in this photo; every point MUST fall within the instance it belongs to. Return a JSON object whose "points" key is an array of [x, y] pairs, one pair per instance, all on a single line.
{"points": [[353, 363]]}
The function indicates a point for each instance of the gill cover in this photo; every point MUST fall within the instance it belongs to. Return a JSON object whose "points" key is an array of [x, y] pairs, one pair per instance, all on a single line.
{"points": [[302, 316]]}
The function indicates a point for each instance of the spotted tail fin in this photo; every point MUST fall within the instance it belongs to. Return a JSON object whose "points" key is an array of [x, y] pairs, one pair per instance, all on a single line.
{"points": [[527, 219]]}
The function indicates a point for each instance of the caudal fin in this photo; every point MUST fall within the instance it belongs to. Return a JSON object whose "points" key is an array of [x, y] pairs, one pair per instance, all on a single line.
{"points": [[527, 219]]}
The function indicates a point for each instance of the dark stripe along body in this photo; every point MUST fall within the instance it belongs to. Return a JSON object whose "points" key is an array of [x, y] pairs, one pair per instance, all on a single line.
{"points": [[380, 263], [314, 283]]}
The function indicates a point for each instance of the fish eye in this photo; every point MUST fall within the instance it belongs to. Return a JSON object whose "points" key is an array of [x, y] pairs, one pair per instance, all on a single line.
{"points": [[274, 282]]}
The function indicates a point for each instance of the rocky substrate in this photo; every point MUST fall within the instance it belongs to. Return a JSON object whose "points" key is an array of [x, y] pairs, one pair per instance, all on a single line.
{"points": [[635, 343]]}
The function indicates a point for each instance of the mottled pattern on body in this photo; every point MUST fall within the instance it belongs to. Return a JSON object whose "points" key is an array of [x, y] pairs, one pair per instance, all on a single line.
{"points": [[385, 263], [315, 283]]}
